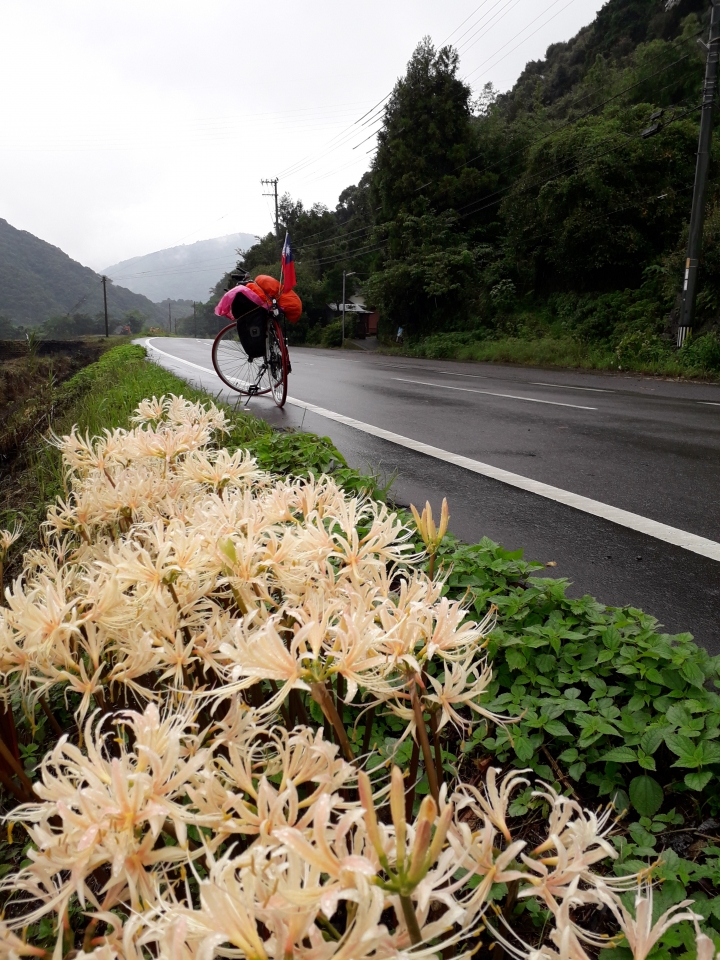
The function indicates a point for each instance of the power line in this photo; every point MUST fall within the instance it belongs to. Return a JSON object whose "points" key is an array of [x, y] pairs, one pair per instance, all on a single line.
{"points": [[467, 77], [462, 24]]}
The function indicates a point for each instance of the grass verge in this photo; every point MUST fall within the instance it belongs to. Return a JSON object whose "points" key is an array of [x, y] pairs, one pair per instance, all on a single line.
{"points": [[547, 352], [607, 705]]}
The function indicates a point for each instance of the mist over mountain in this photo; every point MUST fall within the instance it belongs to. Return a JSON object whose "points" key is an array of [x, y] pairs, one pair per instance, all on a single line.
{"points": [[186, 272], [39, 280]]}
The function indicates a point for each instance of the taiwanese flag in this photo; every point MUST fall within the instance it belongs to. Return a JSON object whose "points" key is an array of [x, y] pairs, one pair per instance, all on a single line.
{"points": [[287, 272]]}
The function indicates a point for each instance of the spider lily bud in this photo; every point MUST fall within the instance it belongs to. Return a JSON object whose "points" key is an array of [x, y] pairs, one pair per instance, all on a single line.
{"points": [[432, 536], [370, 817], [397, 808]]}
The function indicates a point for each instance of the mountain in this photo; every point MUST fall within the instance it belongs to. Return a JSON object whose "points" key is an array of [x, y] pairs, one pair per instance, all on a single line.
{"points": [[185, 272], [39, 280]]}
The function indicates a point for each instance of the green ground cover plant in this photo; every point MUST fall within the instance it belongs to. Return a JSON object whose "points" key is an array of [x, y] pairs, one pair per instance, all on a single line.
{"points": [[606, 706]]}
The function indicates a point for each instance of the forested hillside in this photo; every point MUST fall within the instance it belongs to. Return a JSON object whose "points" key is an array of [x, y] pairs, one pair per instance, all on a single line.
{"points": [[543, 212], [41, 283]]}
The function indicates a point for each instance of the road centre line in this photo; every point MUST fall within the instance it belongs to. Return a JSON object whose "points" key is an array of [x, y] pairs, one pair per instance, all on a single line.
{"points": [[535, 383], [568, 386], [624, 518], [489, 393], [709, 403]]}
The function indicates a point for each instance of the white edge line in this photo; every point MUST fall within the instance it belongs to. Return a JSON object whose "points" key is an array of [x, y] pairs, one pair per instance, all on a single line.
{"points": [[489, 393], [709, 403], [633, 521]]}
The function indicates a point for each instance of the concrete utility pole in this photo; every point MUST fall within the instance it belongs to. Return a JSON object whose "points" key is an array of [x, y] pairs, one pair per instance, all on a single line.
{"points": [[345, 274], [701, 177], [169, 319], [104, 283], [274, 185], [194, 321]]}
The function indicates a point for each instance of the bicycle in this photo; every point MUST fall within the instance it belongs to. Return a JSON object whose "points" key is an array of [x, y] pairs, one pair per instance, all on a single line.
{"points": [[250, 355]]}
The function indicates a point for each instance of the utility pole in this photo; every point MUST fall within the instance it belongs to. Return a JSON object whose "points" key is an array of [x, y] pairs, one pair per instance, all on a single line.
{"points": [[274, 184], [697, 215], [345, 274], [104, 283], [169, 319], [194, 321]]}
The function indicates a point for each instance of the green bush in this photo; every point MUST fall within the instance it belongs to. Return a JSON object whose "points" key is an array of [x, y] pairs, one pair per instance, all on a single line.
{"points": [[702, 352], [332, 334]]}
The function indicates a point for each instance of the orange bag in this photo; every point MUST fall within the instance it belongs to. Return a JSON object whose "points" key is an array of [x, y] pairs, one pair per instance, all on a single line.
{"points": [[290, 303], [268, 285]]}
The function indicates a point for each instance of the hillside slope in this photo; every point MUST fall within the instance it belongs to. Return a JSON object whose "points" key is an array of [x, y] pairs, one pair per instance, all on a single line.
{"points": [[39, 280], [618, 29], [183, 272]]}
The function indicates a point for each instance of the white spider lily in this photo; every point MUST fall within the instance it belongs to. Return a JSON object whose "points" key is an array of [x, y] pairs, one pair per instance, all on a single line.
{"points": [[640, 932]]}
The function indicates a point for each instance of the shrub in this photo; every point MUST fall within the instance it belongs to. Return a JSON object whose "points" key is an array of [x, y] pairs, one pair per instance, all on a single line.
{"points": [[331, 335], [702, 352]]}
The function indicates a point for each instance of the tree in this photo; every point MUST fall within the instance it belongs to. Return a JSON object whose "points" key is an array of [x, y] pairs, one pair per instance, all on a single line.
{"points": [[426, 138], [135, 320]]}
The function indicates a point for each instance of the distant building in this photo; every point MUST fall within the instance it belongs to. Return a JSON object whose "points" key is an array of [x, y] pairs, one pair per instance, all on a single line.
{"points": [[366, 320]]}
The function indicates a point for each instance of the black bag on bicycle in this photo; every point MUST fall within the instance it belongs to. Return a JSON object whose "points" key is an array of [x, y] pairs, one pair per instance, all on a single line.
{"points": [[251, 327]]}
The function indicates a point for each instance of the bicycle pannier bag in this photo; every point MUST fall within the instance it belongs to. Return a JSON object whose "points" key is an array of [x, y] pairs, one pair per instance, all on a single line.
{"points": [[251, 327]]}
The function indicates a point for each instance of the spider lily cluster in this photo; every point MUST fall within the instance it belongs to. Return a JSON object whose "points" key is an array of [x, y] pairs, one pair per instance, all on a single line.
{"points": [[194, 612]]}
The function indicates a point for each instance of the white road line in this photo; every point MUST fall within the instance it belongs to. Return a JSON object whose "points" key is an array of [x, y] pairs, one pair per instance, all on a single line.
{"points": [[623, 518], [534, 383], [568, 386], [489, 393], [709, 403]]}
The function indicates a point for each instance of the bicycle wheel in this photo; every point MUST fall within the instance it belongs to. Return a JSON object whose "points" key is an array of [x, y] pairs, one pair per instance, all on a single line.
{"points": [[249, 377], [277, 362]]}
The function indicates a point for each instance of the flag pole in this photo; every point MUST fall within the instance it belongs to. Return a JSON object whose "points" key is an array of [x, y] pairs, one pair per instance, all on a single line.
{"points": [[282, 263]]}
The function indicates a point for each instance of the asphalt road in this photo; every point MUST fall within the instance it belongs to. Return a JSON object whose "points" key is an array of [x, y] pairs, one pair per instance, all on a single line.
{"points": [[651, 447]]}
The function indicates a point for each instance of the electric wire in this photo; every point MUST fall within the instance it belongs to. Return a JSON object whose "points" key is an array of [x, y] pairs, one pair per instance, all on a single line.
{"points": [[529, 37]]}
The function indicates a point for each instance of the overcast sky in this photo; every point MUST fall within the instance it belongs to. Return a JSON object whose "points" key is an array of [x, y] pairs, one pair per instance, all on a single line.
{"points": [[127, 126]]}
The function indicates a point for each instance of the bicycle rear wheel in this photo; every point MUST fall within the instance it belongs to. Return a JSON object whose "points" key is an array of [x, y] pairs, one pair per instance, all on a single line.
{"points": [[278, 362], [249, 377]]}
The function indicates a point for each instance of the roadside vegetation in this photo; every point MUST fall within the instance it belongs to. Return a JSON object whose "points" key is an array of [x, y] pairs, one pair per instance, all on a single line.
{"points": [[699, 357], [492, 666]]}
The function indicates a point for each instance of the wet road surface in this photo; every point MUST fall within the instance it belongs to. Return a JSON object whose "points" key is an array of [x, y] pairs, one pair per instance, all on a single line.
{"points": [[646, 446]]}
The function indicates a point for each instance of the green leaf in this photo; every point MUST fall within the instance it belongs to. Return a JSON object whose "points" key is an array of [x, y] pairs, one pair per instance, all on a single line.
{"points": [[654, 676], [523, 748], [576, 770], [620, 755], [709, 751], [679, 715], [692, 673], [646, 795], [568, 756], [557, 729], [652, 739], [698, 781], [621, 801], [545, 662], [646, 762], [516, 659], [681, 746]]}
